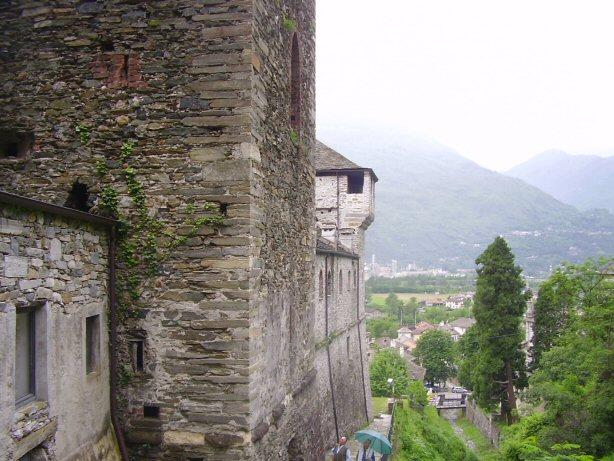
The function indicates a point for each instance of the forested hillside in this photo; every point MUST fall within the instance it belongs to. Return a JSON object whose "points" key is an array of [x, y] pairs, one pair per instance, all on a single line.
{"points": [[584, 181], [438, 209]]}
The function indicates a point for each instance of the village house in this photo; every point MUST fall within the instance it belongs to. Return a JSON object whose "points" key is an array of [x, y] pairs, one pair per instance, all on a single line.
{"points": [[462, 324]]}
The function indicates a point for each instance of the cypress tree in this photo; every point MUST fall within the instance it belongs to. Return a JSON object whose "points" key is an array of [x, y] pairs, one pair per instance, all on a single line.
{"points": [[500, 301]]}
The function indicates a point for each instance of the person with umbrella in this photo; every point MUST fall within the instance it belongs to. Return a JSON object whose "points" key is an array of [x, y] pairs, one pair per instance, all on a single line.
{"points": [[366, 453], [373, 442]]}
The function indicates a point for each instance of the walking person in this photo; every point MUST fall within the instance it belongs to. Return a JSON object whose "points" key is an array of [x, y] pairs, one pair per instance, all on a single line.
{"points": [[366, 453], [342, 452]]}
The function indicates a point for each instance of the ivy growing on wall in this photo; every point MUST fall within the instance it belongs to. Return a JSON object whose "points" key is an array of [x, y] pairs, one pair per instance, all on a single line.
{"points": [[144, 241]]}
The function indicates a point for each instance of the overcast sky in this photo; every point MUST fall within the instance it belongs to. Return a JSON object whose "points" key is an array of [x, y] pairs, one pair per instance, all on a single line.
{"points": [[499, 81]]}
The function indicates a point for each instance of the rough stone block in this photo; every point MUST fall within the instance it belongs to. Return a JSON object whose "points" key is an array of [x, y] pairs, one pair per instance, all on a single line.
{"points": [[15, 266], [11, 227], [183, 438]]}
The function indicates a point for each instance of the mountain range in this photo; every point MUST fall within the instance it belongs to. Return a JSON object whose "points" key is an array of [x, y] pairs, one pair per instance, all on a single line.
{"points": [[584, 181], [436, 208]]}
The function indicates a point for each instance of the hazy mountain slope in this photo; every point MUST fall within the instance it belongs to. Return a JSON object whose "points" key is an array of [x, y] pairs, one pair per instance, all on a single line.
{"points": [[437, 208], [585, 181]]}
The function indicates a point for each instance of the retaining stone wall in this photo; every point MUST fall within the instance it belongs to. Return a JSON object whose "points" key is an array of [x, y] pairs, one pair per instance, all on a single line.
{"points": [[483, 422]]}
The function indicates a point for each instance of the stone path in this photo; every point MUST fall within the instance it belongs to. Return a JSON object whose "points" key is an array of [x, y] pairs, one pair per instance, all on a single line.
{"points": [[380, 424]]}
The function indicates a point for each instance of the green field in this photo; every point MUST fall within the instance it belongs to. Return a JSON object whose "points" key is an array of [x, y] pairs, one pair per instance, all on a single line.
{"points": [[380, 405]]}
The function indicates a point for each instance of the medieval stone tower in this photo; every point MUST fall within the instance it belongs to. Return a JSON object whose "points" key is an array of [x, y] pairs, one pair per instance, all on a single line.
{"points": [[218, 359]]}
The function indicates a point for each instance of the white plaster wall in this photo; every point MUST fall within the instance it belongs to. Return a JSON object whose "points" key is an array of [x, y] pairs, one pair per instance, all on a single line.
{"points": [[67, 272]]}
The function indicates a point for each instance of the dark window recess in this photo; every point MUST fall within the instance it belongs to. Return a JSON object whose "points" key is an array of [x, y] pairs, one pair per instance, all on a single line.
{"points": [[137, 353], [224, 209], [25, 356], [125, 68], [196, 459], [106, 44], [78, 197], [151, 411], [347, 345], [356, 182], [92, 343], [295, 85], [15, 144]]}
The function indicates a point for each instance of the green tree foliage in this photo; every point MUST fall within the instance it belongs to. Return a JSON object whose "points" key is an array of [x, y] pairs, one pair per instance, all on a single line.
{"points": [[522, 442], [388, 364], [417, 394], [467, 349], [424, 436], [394, 306], [436, 314], [575, 377], [435, 352], [499, 304], [557, 298], [379, 328]]}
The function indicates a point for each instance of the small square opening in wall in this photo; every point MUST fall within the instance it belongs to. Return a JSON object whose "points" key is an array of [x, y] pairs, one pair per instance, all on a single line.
{"points": [[15, 144], [356, 182], [196, 459], [151, 411]]}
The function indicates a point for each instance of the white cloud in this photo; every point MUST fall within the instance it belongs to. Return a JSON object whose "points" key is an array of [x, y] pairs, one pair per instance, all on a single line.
{"points": [[499, 81]]}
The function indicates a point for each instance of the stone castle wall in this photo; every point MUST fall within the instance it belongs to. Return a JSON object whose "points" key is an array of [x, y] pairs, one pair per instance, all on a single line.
{"points": [[59, 267], [282, 388], [203, 89], [351, 214], [341, 349]]}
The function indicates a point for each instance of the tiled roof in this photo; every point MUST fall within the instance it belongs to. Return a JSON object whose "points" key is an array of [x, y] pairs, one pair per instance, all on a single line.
{"points": [[326, 158], [462, 322]]}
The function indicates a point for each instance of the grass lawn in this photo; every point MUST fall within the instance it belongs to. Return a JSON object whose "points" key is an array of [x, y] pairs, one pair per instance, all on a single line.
{"points": [[380, 298], [380, 405], [483, 449]]}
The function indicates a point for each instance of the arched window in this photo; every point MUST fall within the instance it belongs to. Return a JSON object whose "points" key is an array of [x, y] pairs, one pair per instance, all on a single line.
{"points": [[349, 280], [295, 86], [329, 284], [321, 285], [340, 280]]}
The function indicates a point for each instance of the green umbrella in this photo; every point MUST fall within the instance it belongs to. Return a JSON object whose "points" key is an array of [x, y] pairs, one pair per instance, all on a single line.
{"points": [[379, 442]]}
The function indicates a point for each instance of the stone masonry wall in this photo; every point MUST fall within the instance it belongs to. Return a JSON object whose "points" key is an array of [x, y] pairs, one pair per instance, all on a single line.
{"points": [[175, 77], [282, 392], [350, 213], [202, 87], [340, 329], [483, 422], [61, 267]]}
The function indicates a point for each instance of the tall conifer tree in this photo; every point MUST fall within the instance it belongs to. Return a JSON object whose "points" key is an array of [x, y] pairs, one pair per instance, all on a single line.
{"points": [[500, 301]]}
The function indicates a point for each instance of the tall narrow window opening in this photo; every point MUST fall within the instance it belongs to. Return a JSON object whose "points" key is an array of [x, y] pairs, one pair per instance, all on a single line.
{"points": [[92, 343], [25, 356], [137, 352], [340, 280], [295, 85], [321, 285]]}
